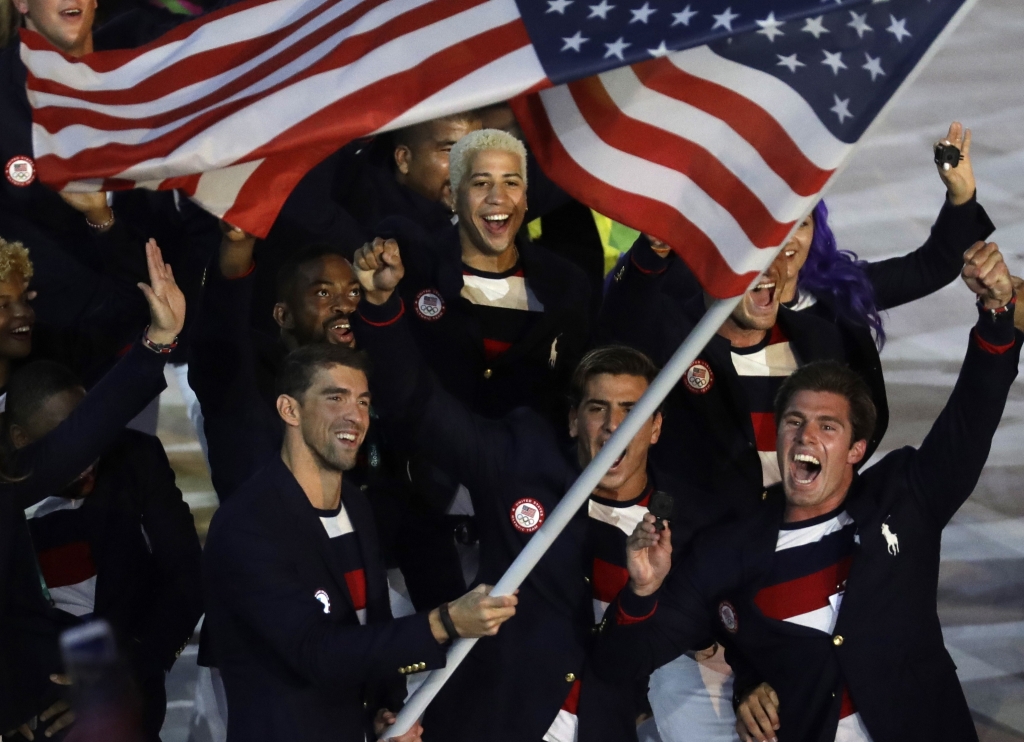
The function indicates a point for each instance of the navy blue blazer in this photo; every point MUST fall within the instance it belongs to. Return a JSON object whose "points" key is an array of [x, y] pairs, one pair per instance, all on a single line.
{"points": [[887, 646], [512, 685], [294, 668]]}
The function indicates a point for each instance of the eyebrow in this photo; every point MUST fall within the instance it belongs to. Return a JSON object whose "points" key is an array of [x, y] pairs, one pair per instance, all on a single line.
{"points": [[594, 400], [342, 390], [489, 175]]}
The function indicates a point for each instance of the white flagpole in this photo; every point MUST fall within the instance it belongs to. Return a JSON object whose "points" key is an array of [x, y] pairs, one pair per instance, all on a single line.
{"points": [[574, 499]]}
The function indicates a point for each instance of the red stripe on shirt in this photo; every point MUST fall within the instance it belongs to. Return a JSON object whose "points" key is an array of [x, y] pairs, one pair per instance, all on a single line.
{"points": [[847, 708], [572, 701], [805, 594], [608, 580], [494, 348], [764, 430], [68, 564], [356, 581]]}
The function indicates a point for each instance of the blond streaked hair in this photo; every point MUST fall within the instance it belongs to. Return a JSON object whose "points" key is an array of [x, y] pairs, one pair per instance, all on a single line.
{"points": [[14, 259], [482, 140], [10, 22]]}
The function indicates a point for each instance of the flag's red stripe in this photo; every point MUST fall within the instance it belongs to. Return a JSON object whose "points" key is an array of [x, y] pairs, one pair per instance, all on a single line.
{"points": [[803, 595], [362, 111], [745, 117], [652, 144], [655, 217], [200, 67], [291, 154]]}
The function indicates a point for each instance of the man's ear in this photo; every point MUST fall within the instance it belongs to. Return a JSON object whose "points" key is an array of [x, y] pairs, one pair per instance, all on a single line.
{"points": [[403, 156], [573, 423], [21, 6], [857, 451], [18, 436], [289, 409], [656, 428], [283, 316]]}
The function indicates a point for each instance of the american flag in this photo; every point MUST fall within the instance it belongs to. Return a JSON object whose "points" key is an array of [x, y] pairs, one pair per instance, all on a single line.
{"points": [[716, 149]]}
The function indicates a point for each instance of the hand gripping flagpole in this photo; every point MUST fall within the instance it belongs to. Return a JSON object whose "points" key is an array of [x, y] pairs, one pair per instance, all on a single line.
{"points": [[574, 500]]}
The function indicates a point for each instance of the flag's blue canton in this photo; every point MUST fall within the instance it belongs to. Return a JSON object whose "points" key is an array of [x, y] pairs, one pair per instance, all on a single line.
{"points": [[579, 38], [846, 63], [845, 58]]}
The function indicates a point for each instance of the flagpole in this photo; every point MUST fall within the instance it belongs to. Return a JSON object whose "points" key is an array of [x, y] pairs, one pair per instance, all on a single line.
{"points": [[574, 499]]}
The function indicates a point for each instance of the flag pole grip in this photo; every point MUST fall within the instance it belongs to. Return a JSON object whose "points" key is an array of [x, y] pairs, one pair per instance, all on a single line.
{"points": [[573, 500]]}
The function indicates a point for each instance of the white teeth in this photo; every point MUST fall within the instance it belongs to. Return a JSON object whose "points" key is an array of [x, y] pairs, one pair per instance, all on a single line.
{"points": [[22, 330], [790, 253], [807, 459], [496, 218], [346, 437], [764, 286]]}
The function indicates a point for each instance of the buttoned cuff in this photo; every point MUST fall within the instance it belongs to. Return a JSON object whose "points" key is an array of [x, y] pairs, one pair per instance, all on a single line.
{"points": [[382, 315], [644, 258], [632, 608], [994, 333]]}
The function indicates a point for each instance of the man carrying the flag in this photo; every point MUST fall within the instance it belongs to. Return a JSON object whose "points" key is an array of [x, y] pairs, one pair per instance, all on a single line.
{"points": [[854, 661]]}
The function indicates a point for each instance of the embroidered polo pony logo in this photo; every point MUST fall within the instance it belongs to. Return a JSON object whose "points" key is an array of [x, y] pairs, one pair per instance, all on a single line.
{"points": [[891, 540]]}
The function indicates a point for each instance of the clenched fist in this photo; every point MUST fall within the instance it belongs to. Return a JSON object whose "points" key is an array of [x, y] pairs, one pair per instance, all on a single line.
{"points": [[379, 269]]}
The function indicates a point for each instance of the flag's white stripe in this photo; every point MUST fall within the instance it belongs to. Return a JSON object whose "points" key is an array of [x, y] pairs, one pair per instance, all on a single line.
{"points": [[266, 118], [712, 133], [811, 534], [504, 78], [218, 189], [625, 519], [784, 104], [636, 175], [182, 96]]}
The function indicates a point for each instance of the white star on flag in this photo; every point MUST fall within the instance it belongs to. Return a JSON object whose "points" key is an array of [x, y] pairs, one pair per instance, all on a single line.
{"points": [[841, 108], [724, 20], [683, 16], [558, 6], [770, 27], [859, 24], [835, 61], [642, 14], [898, 28], [791, 62], [660, 51], [815, 26], [616, 48], [574, 42], [874, 66], [600, 10]]}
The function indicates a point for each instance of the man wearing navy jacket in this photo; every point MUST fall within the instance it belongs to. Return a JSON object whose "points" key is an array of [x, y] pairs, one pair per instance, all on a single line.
{"points": [[830, 592], [297, 596]]}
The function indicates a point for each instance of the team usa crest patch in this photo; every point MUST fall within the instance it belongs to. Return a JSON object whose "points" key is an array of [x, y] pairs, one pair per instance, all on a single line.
{"points": [[727, 615], [527, 515], [325, 599], [20, 170], [429, 305], [699, 378]]}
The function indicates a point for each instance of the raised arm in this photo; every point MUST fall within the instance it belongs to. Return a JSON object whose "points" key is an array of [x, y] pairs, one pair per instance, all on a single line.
{"points": [[946, 468], [937, 263], [55, 459]]}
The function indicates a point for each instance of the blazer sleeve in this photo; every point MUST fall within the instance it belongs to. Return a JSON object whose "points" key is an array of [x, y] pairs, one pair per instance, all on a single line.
{"points": [[58, 457], [937, 262], [944, 471], [242, 563], [411, 401], [222, 373], [167, 521]]}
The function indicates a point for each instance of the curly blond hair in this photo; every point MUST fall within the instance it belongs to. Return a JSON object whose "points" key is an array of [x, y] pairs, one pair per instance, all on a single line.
{"points": [[482, 140], [14, 259], [10, 22]]}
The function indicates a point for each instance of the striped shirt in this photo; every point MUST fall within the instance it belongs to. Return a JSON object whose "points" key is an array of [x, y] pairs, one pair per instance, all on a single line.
{"points": [[806, 586], [761, 369], [611, 523], [505, 305], [345, 545], [60, 534]]}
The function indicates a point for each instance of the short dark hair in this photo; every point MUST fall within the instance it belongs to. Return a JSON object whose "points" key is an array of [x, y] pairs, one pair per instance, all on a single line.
{"points": [[617, 360], [409, 136], [286, 274], [834, 377], [32, 385], [301, 365]]}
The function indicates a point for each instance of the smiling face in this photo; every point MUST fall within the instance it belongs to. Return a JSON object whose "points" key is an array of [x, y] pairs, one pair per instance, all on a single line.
{"points": [[491, 203], [816, 453], [794, 255], [323, 296], [16, 317], [334, 415], [606, 400], [67, 24]]}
